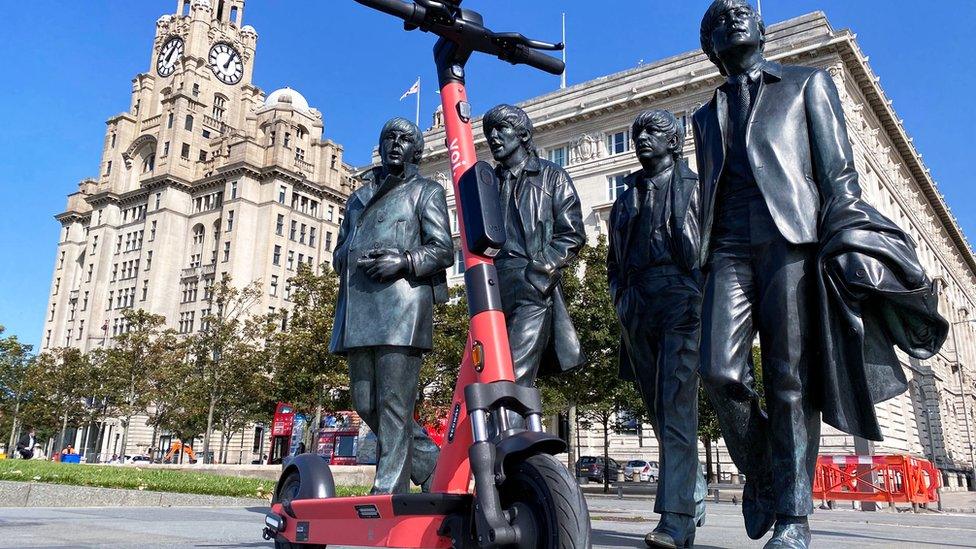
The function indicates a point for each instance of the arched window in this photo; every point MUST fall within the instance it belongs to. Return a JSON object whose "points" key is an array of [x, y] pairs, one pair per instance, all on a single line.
{"points": [[196, 249], [149, 163], [219, 106], [188, 124], [185, 10], [235, 16]]}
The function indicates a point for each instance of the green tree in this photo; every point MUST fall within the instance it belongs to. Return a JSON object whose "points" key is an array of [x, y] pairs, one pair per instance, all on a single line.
{"points": [[439, 371], [593, 393], [167, 383], [15, 359], [229, 335], [58, 382], [305, 373], [135, 351]]}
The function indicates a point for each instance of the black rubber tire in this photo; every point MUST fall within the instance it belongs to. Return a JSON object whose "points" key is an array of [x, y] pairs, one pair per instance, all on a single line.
{"points": [[288, 491], [542, 483]]}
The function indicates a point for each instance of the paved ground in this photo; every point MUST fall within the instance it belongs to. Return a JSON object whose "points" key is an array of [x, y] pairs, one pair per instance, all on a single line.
{"points": [[616, 523]]}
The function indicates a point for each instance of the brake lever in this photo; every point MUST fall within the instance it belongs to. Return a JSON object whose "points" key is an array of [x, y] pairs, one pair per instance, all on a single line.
{"points": [[510, 40]]}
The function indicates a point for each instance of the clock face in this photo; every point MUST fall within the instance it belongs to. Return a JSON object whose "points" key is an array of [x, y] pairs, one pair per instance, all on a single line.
{"points": [[169, 54], [226, 63]]}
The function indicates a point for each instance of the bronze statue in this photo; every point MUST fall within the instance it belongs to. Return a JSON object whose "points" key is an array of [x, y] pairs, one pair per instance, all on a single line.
{"points": [[544, 229], [393, 249], [790, 251], [655, 284]]}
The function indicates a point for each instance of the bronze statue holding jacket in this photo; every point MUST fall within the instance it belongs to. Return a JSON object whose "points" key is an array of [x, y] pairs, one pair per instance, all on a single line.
{"points": [[784, 230]]}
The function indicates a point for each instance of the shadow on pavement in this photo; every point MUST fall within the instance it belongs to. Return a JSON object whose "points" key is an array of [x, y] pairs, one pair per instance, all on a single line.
{"points": [[618, 539], [891, 541]]}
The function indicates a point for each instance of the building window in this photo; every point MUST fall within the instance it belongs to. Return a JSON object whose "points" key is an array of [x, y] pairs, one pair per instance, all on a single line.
{"points": [[113, 141], [81, 328], [301, 234], [185, 151], [281, 194], [618, 142], [169, 121], [226, 251], [219, 107], [615, 186], [61, 260], [91, 266], [108, 168], [311, 236], [291, 261], [280, 225], [328, 240], [288, 289], [291, 233], [230, 220], [299, 153], [203, 155], [148, 259], [274, 285], [233, 189], [287, 139], [152, 231], [188, 123], [330, 213], [159, 201], [166, 148], [84, 303], [145, 289], [196, 90], [558, 156], [110, 294], [276, 259], [51, 317], [149, 164]]}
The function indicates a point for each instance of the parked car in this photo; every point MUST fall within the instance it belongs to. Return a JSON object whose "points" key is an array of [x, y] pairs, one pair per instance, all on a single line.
{"points": [[596, 468], [641, 470], [137, 460]]}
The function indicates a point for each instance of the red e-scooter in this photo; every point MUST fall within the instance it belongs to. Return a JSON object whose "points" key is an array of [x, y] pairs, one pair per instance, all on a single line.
{"points": [[521, 496]]}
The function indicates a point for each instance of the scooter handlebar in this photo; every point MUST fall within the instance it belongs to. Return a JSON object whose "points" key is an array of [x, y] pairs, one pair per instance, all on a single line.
{"points": [[533, 58], [396, 8]]}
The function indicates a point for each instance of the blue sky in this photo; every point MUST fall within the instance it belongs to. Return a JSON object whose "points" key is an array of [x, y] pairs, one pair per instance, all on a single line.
{"points": [[66, 69]]}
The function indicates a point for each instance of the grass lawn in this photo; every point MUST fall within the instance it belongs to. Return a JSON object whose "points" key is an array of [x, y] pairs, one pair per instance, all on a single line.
{"points": [[136, 478]]}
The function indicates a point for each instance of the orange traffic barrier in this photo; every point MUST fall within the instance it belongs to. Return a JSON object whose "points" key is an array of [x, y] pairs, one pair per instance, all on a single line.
{"points": [[891, 479]]}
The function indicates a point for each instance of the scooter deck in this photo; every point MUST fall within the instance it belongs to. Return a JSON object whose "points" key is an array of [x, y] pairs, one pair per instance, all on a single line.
{"points": [[401, 520]]}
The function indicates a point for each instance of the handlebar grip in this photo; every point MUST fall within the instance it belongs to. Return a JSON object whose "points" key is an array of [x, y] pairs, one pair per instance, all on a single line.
{"points": [[397, 8], [528, 56]]}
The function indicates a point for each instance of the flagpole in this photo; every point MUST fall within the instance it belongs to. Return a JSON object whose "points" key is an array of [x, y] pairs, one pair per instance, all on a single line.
{"points": [[417, 119], [562, 82]]}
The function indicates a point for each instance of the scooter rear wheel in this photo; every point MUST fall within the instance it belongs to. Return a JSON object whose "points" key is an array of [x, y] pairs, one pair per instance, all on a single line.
{"points": [[541, 487], [288, 492]]}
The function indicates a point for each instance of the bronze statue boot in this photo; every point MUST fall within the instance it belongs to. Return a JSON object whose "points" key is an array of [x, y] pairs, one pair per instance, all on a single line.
{"points": [[674, 531], [757, 509], [790, 533]]}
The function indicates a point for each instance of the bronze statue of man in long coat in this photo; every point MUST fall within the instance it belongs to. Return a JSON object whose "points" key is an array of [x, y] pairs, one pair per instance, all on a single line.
{"points": [[393, 249]]}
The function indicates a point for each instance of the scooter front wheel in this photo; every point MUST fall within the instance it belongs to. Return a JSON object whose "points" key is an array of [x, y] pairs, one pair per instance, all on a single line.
{"points": [[288, 492], [547, 503]]}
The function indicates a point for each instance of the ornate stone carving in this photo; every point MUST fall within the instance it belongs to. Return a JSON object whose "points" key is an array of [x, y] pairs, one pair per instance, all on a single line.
{"points": [[585, 149]]}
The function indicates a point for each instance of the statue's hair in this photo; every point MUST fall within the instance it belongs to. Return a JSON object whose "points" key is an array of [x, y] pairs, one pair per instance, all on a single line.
{"points": [[512, 115], [662, 121], [709, 22], [404, 125]]}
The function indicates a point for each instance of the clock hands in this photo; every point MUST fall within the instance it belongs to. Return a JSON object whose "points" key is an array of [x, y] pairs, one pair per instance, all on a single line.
{"points": [[171, 52]]}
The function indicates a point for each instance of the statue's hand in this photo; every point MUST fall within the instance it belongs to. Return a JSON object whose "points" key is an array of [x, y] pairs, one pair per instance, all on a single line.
{"points": [[386, 264]]}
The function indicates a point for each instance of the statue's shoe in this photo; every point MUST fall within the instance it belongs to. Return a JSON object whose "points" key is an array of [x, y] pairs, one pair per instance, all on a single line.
{"points": [[790, 535], [757, 510], [675, 531]]}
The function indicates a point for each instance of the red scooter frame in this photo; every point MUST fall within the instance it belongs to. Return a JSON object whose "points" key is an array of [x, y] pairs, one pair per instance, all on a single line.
{"points": [[457, 512]]}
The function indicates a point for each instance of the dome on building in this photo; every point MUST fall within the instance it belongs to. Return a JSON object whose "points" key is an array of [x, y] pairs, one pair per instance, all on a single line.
{"points": [[287, 96], [248, 29]]}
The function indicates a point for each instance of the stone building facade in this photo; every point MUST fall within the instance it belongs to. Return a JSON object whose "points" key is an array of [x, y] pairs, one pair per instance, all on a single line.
{"points": [[586, 128], [202, 175]]}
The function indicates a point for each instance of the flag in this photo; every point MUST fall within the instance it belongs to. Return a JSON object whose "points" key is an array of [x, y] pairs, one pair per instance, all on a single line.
{"points": [[413, 89]]}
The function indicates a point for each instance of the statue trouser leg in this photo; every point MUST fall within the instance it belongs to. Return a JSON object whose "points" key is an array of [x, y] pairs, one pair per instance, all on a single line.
{"points": [[664, 349], [528, 317], [384, 392], [757, 281]]}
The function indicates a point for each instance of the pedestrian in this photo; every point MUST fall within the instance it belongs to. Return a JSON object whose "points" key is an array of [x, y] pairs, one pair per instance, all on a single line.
{"points": [[25, 446]]}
